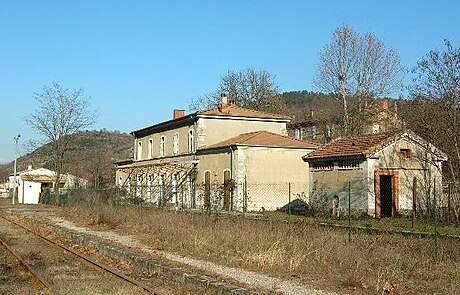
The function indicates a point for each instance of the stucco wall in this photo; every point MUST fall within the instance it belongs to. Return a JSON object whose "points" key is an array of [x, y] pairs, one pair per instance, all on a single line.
{"points": [[266, 171], [183, 134], [214, 130], [271, 173], [421, 166], [325, 185], [216, 163], [29, 192], [209, 131]]}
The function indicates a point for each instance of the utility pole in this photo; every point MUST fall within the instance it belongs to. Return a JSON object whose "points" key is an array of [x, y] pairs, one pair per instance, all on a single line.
{"points": [[16, 139]]}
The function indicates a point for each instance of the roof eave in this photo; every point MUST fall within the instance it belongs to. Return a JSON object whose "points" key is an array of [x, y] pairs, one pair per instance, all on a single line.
{"points": [[308, 158], [229, 116], [164, 125]]}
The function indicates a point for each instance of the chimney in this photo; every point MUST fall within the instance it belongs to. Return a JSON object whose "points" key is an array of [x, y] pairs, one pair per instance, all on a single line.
{"points": [[223, 100], [385, 104], [178, 113]]}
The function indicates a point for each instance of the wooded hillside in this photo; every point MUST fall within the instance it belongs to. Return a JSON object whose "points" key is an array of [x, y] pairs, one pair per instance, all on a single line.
{"points": [[91, 156]]}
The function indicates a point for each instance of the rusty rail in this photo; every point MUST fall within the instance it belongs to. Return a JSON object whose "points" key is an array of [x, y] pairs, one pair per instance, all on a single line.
{"points": [[82, 256], [35, 274]]}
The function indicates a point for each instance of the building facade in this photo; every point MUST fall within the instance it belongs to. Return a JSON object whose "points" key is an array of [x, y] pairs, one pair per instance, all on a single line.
{"points": [[201, 160], [378, 172]]}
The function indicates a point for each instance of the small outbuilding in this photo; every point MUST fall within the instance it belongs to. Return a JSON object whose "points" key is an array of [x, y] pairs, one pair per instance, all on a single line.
{"points": [[379, 172], [32, 182]]}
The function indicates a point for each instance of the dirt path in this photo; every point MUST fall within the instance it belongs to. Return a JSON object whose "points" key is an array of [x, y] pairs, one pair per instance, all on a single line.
{"points": [[250, 278]]}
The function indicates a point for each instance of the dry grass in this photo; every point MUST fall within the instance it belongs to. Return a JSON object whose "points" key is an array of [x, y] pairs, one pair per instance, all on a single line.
{"points": [[369, 264]]}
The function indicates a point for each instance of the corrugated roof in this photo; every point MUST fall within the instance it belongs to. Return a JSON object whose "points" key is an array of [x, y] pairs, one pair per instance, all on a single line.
{"points": [[232, 110], [353, 146], [264, 138]]}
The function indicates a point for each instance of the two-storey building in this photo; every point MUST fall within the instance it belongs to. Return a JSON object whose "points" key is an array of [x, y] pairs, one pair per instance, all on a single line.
{"points": [[202, 159]]}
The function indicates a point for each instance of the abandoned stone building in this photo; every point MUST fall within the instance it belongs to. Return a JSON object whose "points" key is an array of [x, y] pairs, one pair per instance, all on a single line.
{"points": [[216, 158], [379, 171]]}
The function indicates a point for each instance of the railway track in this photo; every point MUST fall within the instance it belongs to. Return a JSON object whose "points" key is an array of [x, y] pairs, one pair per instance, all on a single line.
{"points": [[60, 269]]}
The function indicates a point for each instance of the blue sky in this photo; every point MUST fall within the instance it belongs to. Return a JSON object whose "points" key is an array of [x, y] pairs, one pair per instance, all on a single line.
{"points": [[138, 60]]}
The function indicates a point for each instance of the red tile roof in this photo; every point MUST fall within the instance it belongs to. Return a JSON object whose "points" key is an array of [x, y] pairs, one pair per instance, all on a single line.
{"points": [[229, 110], [232, 110], [41, 178], [359, 146], [264, 138]]}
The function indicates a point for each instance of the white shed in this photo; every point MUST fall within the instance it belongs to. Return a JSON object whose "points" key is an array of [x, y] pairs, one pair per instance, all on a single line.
{"points": [[31, 182]]}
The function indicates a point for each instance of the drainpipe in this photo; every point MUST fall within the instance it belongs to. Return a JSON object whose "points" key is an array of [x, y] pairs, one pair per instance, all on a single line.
{"points": [[231, 162], [195, 137], [194, 158], [231, 175], [23, 192]]}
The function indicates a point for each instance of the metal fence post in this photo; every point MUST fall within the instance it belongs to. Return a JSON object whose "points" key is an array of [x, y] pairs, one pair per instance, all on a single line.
{"points": [[414, 202], [448, 202], [349, 211], [245, 195], [289, 200], [435, 224]]}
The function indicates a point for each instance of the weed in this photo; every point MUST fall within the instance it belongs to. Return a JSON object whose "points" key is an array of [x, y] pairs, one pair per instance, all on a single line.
{"points": [[296, 249]]}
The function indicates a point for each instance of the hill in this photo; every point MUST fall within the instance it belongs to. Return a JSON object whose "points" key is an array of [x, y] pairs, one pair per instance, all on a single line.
{"points": [[304, 98], [91, 156], [308, 105]]}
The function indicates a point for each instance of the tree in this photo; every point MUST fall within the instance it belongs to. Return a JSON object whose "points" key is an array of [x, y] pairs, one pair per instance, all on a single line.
{"points": [[360, 67], [251, 88], [61, 113], [436, 93]]}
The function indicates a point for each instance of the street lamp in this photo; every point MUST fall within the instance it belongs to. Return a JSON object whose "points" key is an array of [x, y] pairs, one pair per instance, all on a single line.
{"points": [[16, 139]]}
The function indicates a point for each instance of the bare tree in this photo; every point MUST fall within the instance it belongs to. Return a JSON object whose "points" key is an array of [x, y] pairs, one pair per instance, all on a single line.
{"points": [[61, 113], [251, 88], [359, 67], [436, 86]]}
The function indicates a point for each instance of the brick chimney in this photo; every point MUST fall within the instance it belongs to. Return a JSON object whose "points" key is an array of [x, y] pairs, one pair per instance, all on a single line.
{"points": [[385, 104], [178, 113], [223, 100]]}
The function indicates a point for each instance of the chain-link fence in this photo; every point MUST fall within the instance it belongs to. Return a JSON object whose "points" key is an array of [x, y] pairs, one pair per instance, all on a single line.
{"points": [[244, 196], [289, 197]]}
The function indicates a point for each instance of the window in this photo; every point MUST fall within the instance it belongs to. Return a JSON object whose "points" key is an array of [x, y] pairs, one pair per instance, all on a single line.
{"points": [[299, 133], [175, 143], [161, 178], [349, 164], [207, 190], [150, 148], [405, 154], [375, 128], [174, 188], [149, 187], [329, 131], [323, 166], [139, 150], [191, 142], [227, 190], [313, 132], [162, 146], [139, 186]]}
